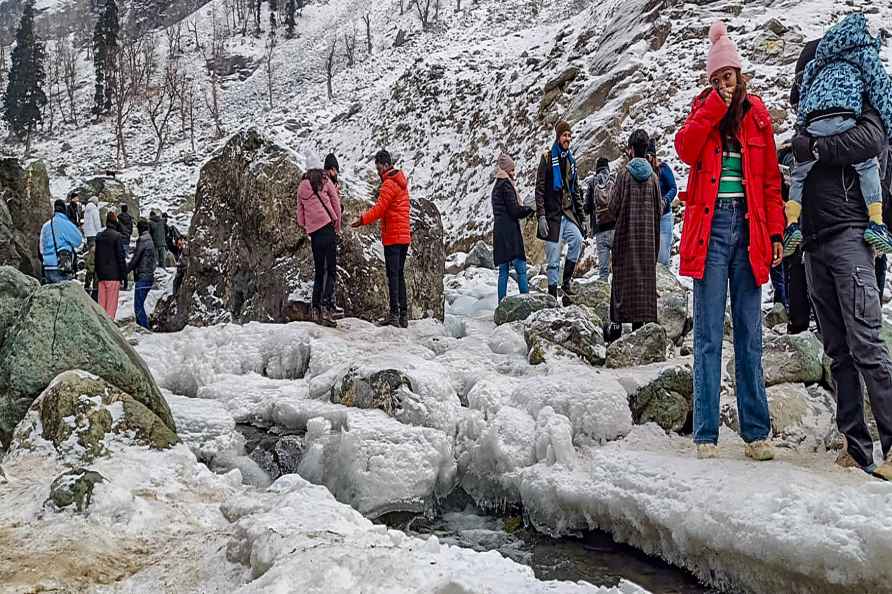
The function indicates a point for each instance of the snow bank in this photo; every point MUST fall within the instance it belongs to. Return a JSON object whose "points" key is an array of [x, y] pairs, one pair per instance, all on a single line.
{"points": [[206, 426]]}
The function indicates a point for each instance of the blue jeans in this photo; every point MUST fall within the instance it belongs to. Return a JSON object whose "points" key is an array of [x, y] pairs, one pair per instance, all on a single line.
{"points": [[779, 282], [666, 224], [728, 260], [572, 236], [604, 240], [54, 276], [868, 171], [139, 302], [520, 265]]}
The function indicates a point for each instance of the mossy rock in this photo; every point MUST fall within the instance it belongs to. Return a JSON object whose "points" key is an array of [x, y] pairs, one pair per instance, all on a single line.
{"points": [[74, 487]]}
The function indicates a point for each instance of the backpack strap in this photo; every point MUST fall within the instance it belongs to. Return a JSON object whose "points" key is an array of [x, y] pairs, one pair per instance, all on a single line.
{"points": [[322, 202]]}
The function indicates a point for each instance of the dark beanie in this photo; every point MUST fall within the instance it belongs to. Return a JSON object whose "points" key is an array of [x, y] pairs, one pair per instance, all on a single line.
{"points": [[59, 206], [562, 127], [383, 158], [331, 162], [603, 163], [142, 226], [652, 148], [807, 55]]}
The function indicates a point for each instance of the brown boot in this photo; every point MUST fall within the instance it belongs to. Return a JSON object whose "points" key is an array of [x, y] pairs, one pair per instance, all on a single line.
{"points": [[315, 315], [327, 318]]}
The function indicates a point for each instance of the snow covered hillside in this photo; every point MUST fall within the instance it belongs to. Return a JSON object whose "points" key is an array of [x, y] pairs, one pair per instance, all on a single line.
{"points": [[492, 77]]}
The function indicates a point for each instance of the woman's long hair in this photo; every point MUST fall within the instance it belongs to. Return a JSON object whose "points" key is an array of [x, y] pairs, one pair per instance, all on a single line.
{"points": [[315, 178], [730, 124]]}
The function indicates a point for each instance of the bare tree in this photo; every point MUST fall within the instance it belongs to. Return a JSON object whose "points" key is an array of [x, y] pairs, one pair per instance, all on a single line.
{"points": [[214, 104], [329, 67], [162, 100], [52, 85], [268, 61], [128, 84], [192, 27], [68, 58], [189, 108], [350, 48], [367, 19], [425, 11]]}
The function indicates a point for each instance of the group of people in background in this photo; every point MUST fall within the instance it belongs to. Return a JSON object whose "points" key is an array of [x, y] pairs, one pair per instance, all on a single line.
{"points": [[738, 229], [108, 260], [320, 215]]}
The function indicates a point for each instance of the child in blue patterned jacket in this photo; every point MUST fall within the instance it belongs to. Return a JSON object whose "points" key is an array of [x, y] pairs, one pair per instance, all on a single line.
{"points": [[846, 72]]}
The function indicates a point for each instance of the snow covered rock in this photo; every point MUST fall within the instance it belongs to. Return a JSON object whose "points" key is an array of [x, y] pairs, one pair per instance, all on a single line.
{"points": [[111, 194], [380, 389], [594, 294], [63, 329], [666, 400], [776, 316], [519, 307], [25, 207], [480, 256], [80, 413], [15, 288], [572, 328], [554, 439], [673, 313], [206, 426], [790, 359], [246, 191], [648, 344], [74, 487], [802, 416]]}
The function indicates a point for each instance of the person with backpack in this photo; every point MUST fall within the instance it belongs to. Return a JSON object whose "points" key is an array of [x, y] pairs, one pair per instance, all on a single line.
{"points": [[394, 209], [560, 210], [158, 232], [507, 238], [732, 237], [637, 207], [111, 266], [842, 282], [319, 214], [333, 170], [60, 239], [668, 190], [73, 210], [142, 265], [597, 205], [125, 220]]}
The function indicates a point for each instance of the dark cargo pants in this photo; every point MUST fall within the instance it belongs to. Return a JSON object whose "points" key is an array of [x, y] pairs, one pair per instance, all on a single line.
{"points": [[844, 292]]}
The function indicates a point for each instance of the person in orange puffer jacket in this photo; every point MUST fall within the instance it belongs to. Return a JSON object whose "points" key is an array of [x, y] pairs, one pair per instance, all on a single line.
{"points": [[393, 209]]}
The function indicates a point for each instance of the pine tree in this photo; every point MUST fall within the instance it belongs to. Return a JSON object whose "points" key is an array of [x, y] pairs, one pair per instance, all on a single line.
{"points": [[25, 98], [290, 9], [105, 45]]}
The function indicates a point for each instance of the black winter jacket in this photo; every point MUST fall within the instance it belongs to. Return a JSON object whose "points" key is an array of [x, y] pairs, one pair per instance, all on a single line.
{"points": [[110, 263], [158, 229], [549, 200], [507, 238], [832, 199], [126, 223], [142, 264]]}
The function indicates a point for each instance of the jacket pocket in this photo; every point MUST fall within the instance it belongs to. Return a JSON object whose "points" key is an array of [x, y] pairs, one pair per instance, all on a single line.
{"points": [[866, 298]]}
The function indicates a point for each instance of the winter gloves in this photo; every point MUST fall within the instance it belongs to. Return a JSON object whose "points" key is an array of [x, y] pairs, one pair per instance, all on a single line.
{"points": [[543, 226], [803, 148]]}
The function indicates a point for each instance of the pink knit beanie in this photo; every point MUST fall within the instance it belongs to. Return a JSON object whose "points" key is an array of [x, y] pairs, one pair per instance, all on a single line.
{"points": [[723, 52]]}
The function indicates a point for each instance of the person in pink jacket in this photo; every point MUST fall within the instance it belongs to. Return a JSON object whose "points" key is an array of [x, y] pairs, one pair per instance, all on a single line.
{"points": [[319, 214]]}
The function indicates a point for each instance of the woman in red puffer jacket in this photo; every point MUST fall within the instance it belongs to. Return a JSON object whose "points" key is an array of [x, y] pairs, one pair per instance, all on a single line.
{"points": [[733, 227]]}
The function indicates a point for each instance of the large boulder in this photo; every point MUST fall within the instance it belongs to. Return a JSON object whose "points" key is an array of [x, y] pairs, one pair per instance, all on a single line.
{"points": [[673, 313], [667, 400], [802, 417], [519, 307], [480, 256], [80, 413], [648, 344], [594, 294], [25, 205], [572, 328], [15, 288], [61, 329], [790, 359], [249, 261], [380, 389], [111, 193]]}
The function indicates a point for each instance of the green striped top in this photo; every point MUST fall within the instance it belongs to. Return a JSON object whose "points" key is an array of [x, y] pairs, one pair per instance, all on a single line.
{"points": [[731, 180]]}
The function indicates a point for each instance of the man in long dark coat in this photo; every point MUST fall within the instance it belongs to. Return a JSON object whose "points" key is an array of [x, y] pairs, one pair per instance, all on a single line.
{"points": [[637, 205]]}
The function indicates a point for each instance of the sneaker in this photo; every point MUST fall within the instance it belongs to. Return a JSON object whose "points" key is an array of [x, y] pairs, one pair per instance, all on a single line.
{"points": [[315, 315], [792, 239], [707, 451], [326, 318], [878, 237], [337, 312], [390, 320], [759, 450]]}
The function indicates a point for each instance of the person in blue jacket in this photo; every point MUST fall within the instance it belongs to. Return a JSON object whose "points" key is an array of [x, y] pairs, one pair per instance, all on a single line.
{"points": [[668, 190], [59, 241]]}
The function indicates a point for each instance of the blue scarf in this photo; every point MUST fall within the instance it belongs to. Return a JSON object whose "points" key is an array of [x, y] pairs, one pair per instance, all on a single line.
{"points": [[556, 156]]}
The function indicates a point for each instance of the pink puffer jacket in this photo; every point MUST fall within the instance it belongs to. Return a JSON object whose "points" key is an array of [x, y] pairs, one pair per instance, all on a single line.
{"points": [[311, 214]]}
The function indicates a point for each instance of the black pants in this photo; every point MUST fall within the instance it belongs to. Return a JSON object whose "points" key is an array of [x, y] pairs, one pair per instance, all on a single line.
{"points": [[325, 259], [842, 282], [395, 264], [797, 293]]}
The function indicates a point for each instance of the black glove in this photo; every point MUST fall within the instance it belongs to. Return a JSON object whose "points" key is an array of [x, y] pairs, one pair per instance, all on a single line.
{"points": [[543, 227], [803, 148]]}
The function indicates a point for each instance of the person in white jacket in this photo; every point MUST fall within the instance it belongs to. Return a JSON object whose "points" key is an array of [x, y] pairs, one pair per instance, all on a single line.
{"points": [[92, 221]]}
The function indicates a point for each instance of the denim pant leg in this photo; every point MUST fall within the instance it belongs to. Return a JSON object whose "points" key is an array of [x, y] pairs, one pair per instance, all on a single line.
{"points": [[666, 224], [553, 259], [520, 265], [572, 236], [710, 296], [605, 246], [746, 318], [139, 302], [869, 178], [798, 175], [503, 281]]}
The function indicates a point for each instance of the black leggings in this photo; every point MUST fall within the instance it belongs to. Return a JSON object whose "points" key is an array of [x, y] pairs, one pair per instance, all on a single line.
{"points": [[395, 264], [325, 259]]}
